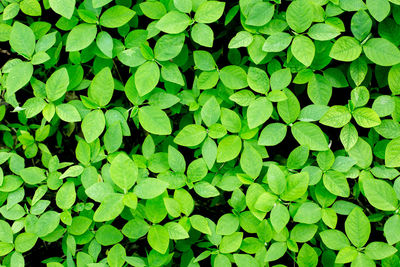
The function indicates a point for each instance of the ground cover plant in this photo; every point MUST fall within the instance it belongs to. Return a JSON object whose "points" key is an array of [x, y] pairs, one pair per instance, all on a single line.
{"points": [[199, 133]]}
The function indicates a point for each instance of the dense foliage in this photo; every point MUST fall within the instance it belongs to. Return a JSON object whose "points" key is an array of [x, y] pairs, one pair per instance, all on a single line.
{"points": [[200, 132]]}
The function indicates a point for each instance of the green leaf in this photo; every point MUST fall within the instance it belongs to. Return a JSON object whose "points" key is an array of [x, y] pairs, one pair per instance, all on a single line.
{"points": [[260, 14], [173, 22], [366, 117], [337, 116], [241, 39], [323, 32], [379, 250], [171, 73], [319, 90], [150, 188], [104, 42], [297, 185], [275, 251], [209, 11], [334, 239], [361, 151], [18, 77], [11, 11], [243, 260], [231, 243], [392, 153], [309, 213], [277, 42], [191, 135], [204, 60], [357, 227], [100, 3], [154, 120], [310, 135], [6, 234], [229, 148], [303, 49], [382, 52], [22, 39], [380, 194], [108, 235], [80, 37], [227, 224], [233, 77], [116, 16], [258, 112], [147, 77], [358, 71], [153, 9], [303, 232], [394, 79], [176, 160], [280, 79], [66, 195], [102, 87], [109, 209], [93, 125], [279, 217], [336, 183], [33, 175], [251, 161], [200, 224], [391, 229], [205, 189], [57, 84], [379, 9], [346, 49], [176, 231], [123, 171], [276, 179], [183, 5], [46, 223], [307, 256], [272, 134], [299, 15], [258, 80], [346, 255], [64, 8], [202, 34], [361, 25]]}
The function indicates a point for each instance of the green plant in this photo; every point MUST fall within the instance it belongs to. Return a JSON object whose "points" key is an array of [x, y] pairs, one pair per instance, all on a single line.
{"points": [[198, 132]]}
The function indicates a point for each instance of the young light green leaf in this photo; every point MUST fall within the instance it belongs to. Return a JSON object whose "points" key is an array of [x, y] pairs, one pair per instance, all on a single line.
{"points": [[303, 49], [123, 171], [382, 52], [299, 15], [258, 112], [116, 16], [209, 11], [229, 148], [93, 125], [80, 37], [346, 48], [64, 8], [357, 227], [57, 84], [147, 77], [22, 39], [310, 135], [68, 113], [102, 87], [191, 135], [173, 22], [154, 120]]}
